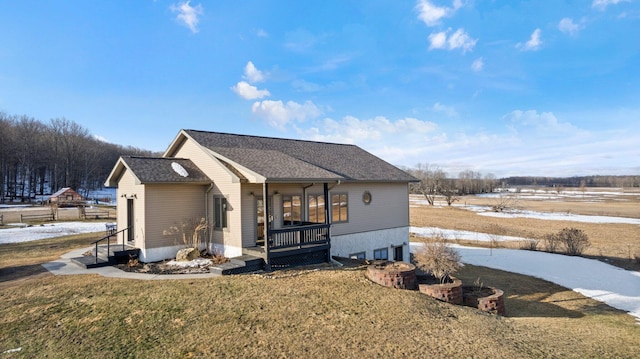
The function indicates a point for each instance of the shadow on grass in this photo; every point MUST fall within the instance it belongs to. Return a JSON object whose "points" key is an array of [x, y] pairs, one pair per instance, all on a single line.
{"points": [[14, 273], [527, 297]]}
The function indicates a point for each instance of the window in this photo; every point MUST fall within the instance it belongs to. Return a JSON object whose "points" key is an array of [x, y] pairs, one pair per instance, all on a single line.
{"points": [[381, 253], [339, 205], [359, 255], [316, 208], [366, 197], [397, 253], [291, 215], [220, 212]]}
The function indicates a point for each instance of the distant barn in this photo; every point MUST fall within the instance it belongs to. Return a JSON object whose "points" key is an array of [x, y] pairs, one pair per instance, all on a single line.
{"points": [[66, 197]]}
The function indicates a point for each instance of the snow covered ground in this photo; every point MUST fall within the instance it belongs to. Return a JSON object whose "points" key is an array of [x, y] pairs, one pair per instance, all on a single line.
{"points": [[558, 216], [454, 234], [15, 234], [551, 216]]}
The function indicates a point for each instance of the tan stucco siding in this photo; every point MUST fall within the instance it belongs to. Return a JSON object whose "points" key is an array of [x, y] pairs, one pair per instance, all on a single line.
{"points": [[225, 184], [171, 205], [128, 189], [389, 207]]}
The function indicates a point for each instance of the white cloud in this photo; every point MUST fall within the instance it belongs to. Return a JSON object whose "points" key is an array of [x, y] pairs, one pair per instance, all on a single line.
{"points": [[567, 26], [279, 114], [545, 123], [252, 74], [534, 42], [431, 14], [477, 65], [438, 40], [262, 33], [365, 132], [602, 4], [458, 40], [188, 15], [462, 40], [249, 92], [448, 110]]}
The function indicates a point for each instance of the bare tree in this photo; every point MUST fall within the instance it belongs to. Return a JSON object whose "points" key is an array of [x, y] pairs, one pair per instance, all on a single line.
{"points": [[505, 200], [431, 181]]}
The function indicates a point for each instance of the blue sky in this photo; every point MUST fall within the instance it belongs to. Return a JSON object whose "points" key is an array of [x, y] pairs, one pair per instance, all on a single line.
{"points": [[549, 88]]}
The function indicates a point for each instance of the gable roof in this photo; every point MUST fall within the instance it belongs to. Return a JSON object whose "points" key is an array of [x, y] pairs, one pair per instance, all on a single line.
{"points": [[63, 190], [149, 170], [279, 159]]}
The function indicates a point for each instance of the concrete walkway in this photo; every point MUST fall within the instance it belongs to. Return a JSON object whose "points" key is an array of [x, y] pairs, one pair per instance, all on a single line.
{"points": [[64, 266]]}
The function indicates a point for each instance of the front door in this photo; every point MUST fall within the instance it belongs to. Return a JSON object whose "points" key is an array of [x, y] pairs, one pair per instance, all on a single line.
{"points": [[260, 221]]}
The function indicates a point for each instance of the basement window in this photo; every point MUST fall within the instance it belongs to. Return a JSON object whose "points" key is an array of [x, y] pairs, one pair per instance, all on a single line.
{"points": [[381, 253]]}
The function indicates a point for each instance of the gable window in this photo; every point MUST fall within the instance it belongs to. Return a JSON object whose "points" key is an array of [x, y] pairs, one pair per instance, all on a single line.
{"points": [[381, 253], [339, 207], [291, 211], [220, 212], [315, 208]]}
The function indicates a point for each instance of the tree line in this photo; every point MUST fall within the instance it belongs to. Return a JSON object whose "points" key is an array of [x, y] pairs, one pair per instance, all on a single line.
{"points": [[434, 182], [575, 181], [38, 158]]}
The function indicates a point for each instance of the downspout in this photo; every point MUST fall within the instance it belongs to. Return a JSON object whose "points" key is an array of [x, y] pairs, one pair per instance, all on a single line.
{"points": [[206, 215], [327, 220]]}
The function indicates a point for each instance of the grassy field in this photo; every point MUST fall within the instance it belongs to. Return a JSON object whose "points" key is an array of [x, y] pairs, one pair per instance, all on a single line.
{"points": [[618, 244], [317, 312]]}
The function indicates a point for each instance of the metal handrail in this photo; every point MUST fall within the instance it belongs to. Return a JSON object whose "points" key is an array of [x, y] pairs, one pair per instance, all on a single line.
{"points": [[107, 237]]}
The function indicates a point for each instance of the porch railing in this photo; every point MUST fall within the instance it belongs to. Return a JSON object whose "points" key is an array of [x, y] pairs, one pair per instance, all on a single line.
{"points": [[298, 236], [108, 239]]}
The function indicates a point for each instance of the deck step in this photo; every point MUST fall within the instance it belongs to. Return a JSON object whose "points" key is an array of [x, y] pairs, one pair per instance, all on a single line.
{"points": [[88, 262], [115, 255], [242, 264]]}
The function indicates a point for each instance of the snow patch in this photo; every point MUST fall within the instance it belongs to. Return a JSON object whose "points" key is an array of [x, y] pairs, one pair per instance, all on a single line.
{"points": [[50, 230], [198, 262]]}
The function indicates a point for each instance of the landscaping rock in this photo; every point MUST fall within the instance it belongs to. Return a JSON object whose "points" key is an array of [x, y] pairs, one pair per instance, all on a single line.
{"points": [[187, 254]]}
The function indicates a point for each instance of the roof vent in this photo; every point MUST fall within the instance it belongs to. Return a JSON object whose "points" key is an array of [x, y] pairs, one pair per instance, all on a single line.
{"points": [[179, 169]]}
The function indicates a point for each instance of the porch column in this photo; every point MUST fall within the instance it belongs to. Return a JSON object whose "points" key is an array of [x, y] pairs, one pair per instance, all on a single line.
{"points": [[267, 225], [327, 220]]}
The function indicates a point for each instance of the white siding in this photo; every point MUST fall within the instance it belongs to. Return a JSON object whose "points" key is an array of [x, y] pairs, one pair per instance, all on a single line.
{"points": [[367, 242]]}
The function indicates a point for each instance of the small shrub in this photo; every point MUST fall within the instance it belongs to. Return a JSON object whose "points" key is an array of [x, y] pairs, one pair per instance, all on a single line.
{"points": [[551, 242], [575, 240], [437, 258], [530, 244], [637, 256]]}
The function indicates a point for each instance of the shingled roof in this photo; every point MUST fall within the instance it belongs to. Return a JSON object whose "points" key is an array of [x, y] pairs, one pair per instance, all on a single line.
{"points": [[162, 170], [279, 159]]}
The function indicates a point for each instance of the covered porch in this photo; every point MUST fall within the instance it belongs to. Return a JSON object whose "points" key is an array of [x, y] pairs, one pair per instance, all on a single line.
{"points": [[290, 234]]}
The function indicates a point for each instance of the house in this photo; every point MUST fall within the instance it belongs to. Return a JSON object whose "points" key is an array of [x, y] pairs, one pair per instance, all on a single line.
{"points": [[66, 197], [309, 200]]}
